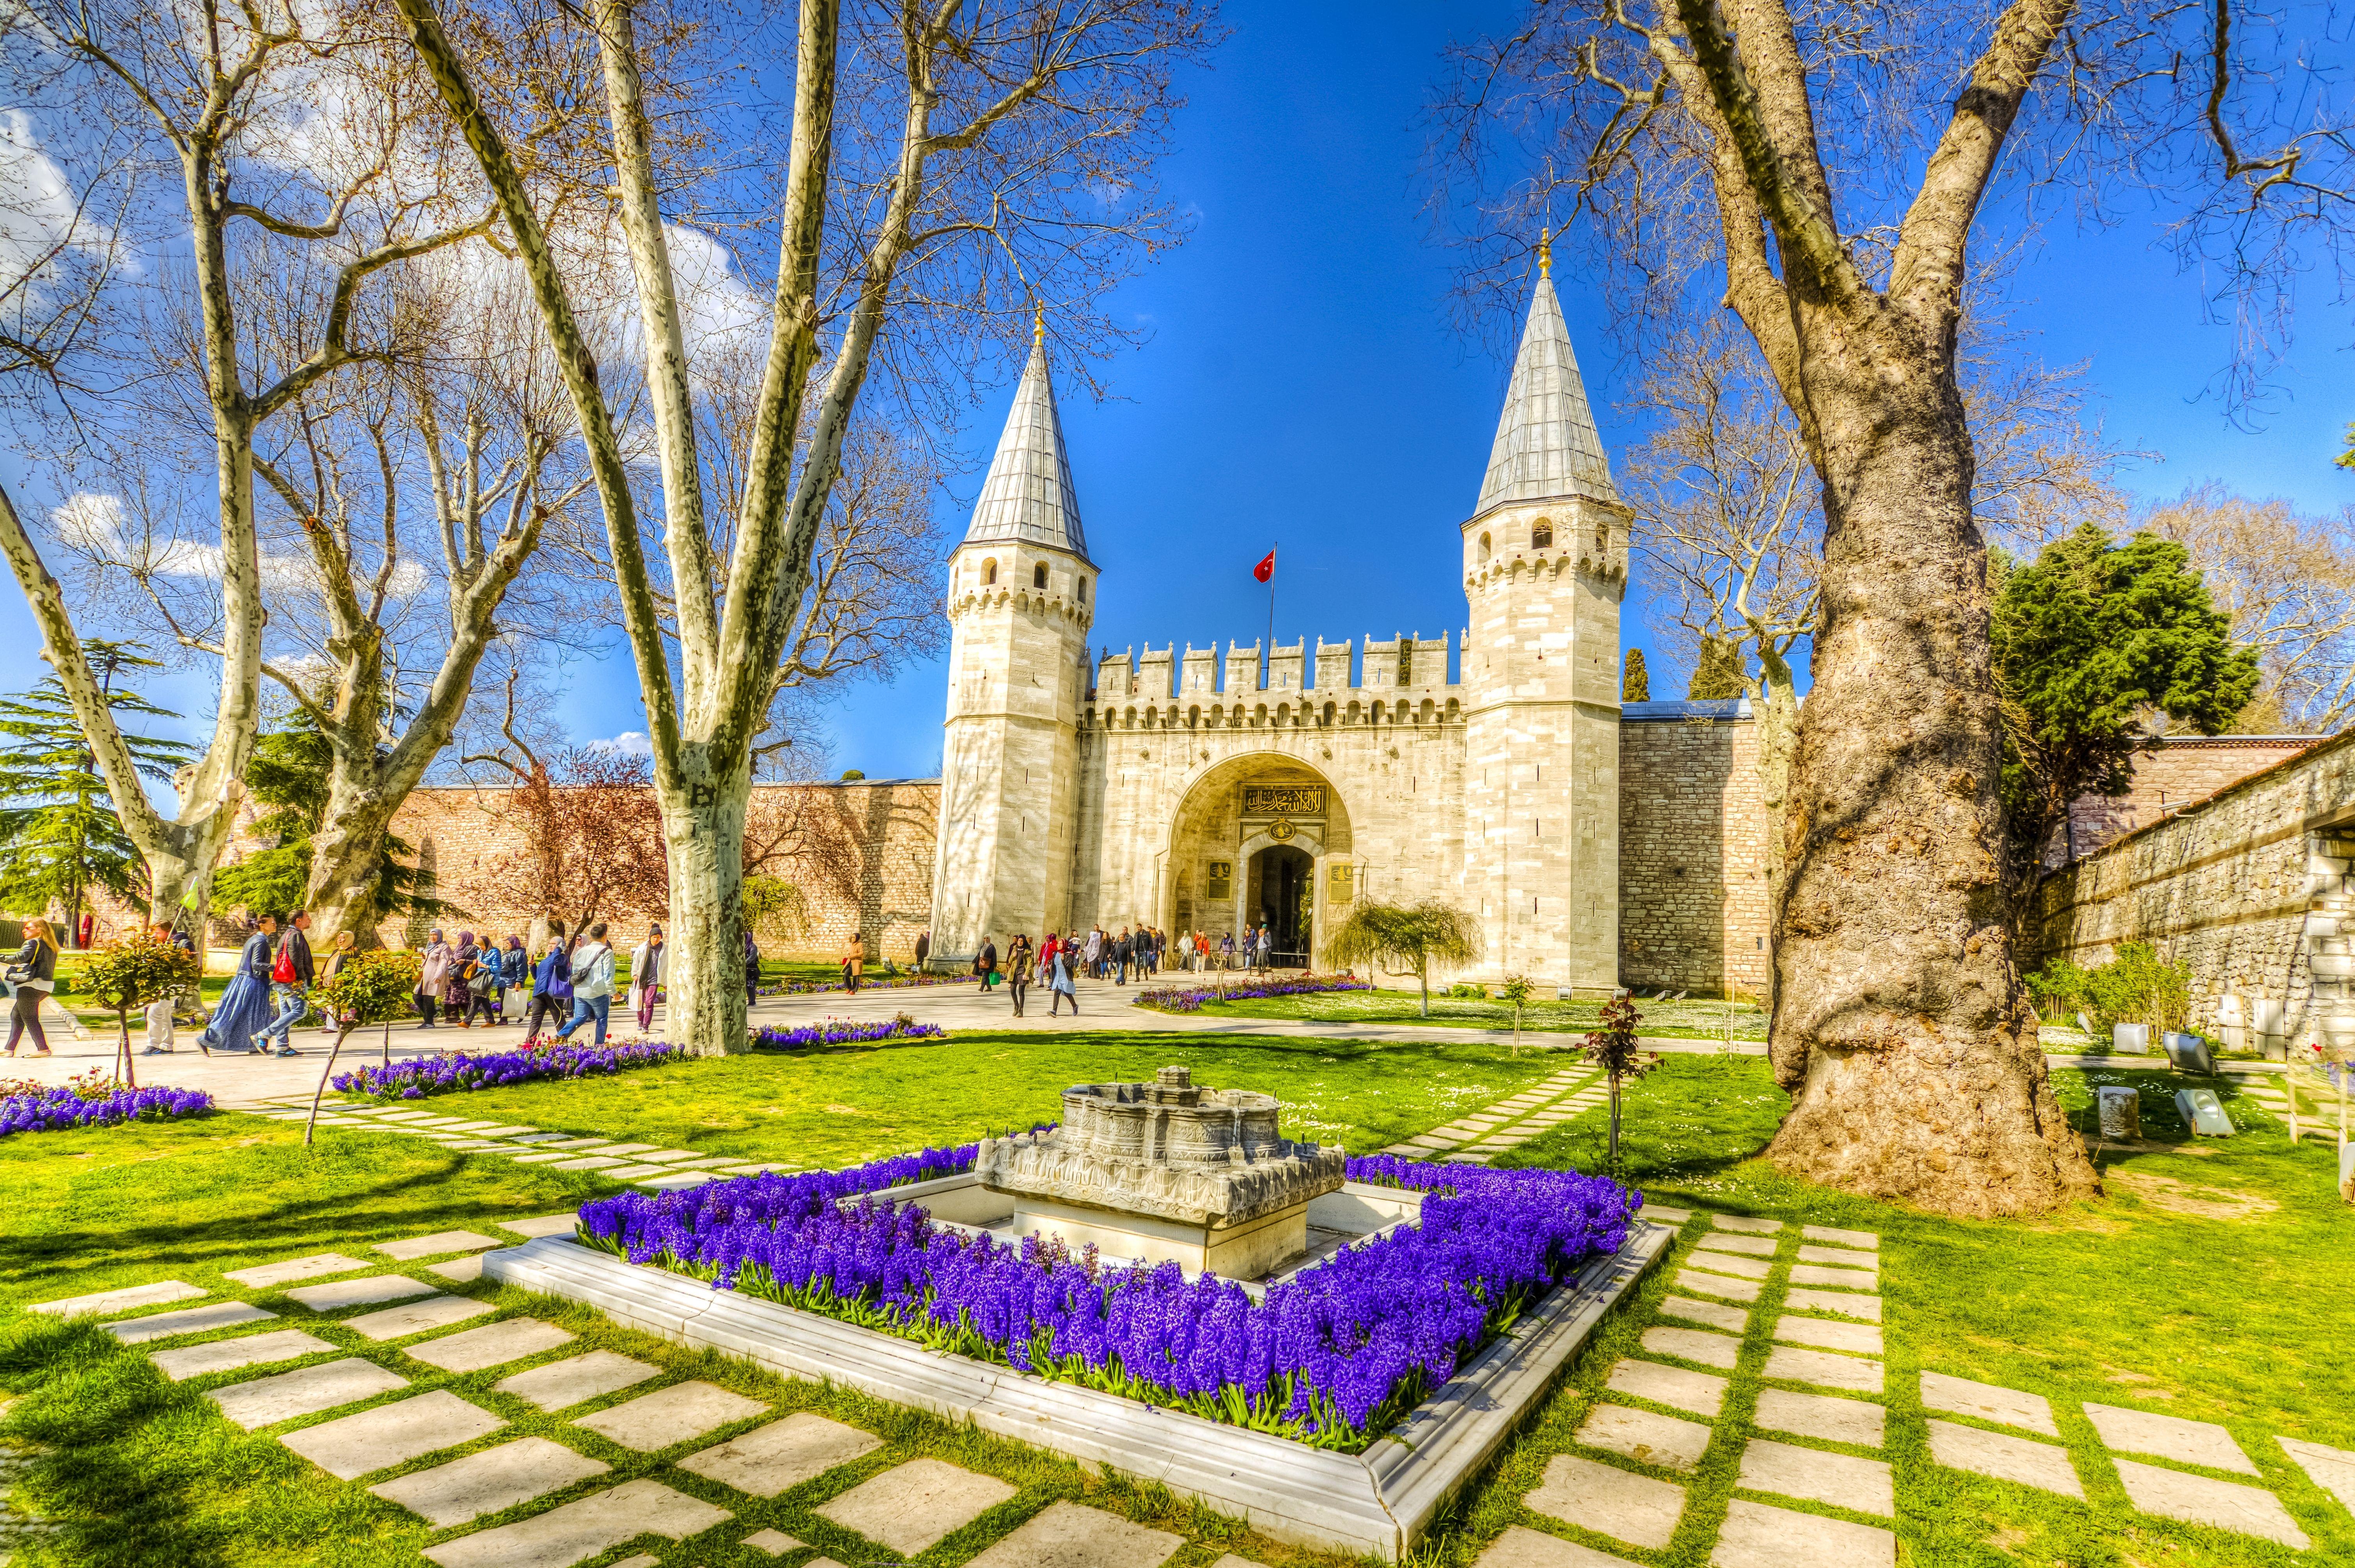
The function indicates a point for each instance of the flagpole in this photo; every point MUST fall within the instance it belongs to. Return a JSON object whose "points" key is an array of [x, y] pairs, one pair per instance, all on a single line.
{"points": [[1270, 610]]}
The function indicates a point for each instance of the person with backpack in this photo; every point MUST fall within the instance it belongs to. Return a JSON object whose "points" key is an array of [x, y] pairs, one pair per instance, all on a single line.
{"points": [[484, 976], [551, 983], [593, 985], [290, 986]]}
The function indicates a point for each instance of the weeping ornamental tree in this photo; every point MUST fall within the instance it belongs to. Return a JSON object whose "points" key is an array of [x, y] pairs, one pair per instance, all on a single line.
{"points": [[1405, 940], [1823, 173], [930, 148]]}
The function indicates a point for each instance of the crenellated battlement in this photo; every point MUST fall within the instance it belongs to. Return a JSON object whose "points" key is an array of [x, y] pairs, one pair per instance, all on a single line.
{"points": [[1402, 666]]}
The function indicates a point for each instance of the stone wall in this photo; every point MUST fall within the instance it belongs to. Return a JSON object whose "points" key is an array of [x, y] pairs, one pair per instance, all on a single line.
{"points": [[1692, 870], [2223, 886], [2185, 768]]}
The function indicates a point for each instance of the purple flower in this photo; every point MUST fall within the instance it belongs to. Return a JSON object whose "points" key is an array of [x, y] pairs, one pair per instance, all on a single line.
{"points": [[457, 1070], [55, 1110], [833, 1032], [1181, 999]]}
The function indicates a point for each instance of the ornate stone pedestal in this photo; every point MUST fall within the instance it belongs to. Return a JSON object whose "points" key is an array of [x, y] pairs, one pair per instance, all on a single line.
{"points": [[1165, 1171]]}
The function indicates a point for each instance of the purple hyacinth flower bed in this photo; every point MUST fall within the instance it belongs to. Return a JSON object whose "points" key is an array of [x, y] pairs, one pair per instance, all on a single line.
{"points": [[458, 1070], [62, 1110], [866, 982], [839, 1032], [1190, 998], [1331, 1357]]}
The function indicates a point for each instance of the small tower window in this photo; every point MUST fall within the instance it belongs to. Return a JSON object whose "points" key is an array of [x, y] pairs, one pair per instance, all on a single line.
{"points": [[1541, 536], [1083, 590], [988, 572], [1039, 576], [1486, 549]]}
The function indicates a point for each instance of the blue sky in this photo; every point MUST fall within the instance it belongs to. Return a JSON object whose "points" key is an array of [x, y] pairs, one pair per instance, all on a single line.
{"points": [[1299, 382]]}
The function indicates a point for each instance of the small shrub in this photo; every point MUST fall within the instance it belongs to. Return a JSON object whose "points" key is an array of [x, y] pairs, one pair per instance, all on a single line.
{"points": [[1465, 991]]}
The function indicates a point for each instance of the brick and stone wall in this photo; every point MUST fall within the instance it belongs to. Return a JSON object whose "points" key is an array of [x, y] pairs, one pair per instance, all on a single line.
{"points": [[2225, 886], [1692, 870], [2184, 768]]}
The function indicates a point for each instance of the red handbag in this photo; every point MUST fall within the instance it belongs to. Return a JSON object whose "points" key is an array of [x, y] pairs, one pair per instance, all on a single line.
{"points": [[282, 971]]}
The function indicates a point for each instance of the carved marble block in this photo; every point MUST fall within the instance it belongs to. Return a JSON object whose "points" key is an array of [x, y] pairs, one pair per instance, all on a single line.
{"points": [[1166, 1170]]}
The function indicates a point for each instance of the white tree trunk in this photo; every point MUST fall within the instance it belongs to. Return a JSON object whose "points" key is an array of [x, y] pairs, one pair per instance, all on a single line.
{"points": [[703, 965]]}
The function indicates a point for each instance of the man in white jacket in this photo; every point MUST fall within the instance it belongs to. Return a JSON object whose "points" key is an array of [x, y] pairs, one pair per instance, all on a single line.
{"points": [[645, 975], [593, 984]]}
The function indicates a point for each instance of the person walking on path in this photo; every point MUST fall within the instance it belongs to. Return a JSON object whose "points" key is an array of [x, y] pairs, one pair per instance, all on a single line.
{"points": [[1018, 970], [645, 975], [515, 970], [455, 992], [483, 977], [1061, 988], [32, 970], [346, 947], [551, 983], [854, 963], [593, 985], [923, 948], [429, 984], [985, 962], [290, 986], [244, 1004], [751, 970]]}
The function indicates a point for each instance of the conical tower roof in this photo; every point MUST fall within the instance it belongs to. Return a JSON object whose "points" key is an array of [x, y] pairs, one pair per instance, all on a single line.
{"points": [[1547, 446], [1028, 498]]}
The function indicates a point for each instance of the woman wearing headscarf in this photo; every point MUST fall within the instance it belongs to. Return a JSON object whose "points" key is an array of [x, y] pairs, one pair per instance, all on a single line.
{"points": [[1060, 987], [437, 968], [515, 976], [245, 1003], [456, 994], [33, 969]]}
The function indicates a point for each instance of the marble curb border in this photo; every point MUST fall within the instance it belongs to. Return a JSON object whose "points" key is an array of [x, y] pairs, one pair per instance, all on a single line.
{"points": [[1377, 1503]]}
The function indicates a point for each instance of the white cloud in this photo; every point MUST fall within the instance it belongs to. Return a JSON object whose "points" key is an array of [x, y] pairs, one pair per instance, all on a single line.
{"points": [[408, 578], [629, 743], [98, 524], [38, 209]]}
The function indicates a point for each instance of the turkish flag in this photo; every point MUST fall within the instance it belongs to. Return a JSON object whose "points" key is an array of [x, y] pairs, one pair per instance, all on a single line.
{"points": [[1266, 569]]}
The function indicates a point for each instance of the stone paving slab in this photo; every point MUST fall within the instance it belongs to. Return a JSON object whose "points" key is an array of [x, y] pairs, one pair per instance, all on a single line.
{"points": [[1073, 1535], [1677, 1387], [125, 1299], [303, 1391], [1843, 1257], [775, 1543], [486, 1482], [2169, 1437], [188, 1320], [2332, 1469], [586, 1162], [227, 1355], [459, 1270], [1961, 1396], [2197, 1499], [1824, 1334], [541, 1138], [390, 1434], [1854, 1421], [911, 1505], [411, 1248], [1758, 1536], [545, 1157], [1726, 1263], [1645, 1435], [1754, 1246], [1701, 1284], [583, 1527], [1732, 1319], [1518, 1547], [774, 1459], [676, 1181], [507, 1131], [1823, 1369], [493, 1344], [567, 1382], [1865, 1240], [631, 1173], [1694, 1345], [1843, 1480], [1865, 1307], [580, 1142], [668, 1415], [1608, 1500], [417, 1316], [359, 1292], [1743, 1223], [270, 1275], [2044, 1465], [1842, 1279]]}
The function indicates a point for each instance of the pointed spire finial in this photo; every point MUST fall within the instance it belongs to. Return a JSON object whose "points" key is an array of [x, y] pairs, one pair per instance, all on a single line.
{"points": [[1038, 325], [1545, 253]]}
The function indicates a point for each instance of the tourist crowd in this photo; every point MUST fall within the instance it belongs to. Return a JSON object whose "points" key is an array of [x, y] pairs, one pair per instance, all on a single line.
{"points": [[1058, 961]]}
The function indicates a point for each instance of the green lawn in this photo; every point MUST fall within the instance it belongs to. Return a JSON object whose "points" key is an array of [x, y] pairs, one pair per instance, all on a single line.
{"points": [[845, 1104], [1692, 1019], [2214, 1282]]}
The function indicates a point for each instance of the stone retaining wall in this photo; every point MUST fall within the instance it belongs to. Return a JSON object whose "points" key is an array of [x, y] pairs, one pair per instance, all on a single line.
{"points": [[1692, 840]]}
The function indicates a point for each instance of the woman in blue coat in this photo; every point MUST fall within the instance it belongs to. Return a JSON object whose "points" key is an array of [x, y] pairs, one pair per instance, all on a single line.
{"points": [[244, 1005]]}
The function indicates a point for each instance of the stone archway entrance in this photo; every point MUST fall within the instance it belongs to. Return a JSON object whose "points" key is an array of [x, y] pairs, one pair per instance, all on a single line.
{"points": [[1283, 892], [1259, 836]]}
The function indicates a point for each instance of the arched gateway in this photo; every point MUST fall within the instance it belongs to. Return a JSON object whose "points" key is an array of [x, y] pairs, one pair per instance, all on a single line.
{"points": [[1257, 837]]}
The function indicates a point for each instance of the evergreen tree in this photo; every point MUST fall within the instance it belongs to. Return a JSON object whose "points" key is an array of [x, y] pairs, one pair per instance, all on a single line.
{"points": [[1722, 674], [289, 774], [60, 838], [2090, 640], [1635, 686]]}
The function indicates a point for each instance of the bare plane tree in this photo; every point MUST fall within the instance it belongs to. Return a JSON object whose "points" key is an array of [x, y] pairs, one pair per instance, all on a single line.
{"points": [[925, 138], [1822, 172]]}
